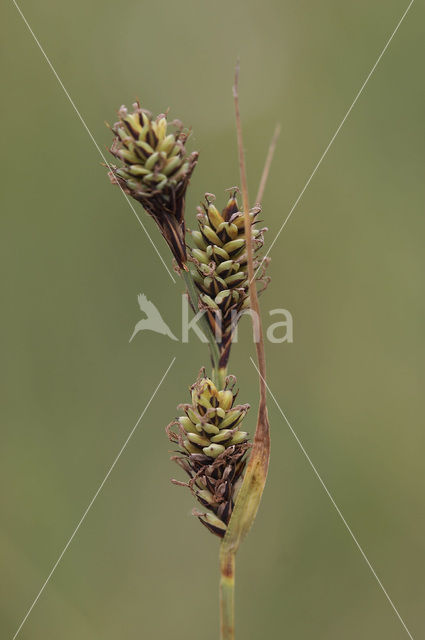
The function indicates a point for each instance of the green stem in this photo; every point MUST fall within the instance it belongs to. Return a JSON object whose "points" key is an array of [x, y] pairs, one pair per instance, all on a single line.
{"points": [[220, 376], [218, 372], [249, 495], [227, 594]]}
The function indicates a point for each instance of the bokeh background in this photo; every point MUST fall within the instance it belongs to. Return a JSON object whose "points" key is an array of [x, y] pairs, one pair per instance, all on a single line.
{"points": [[348, 265]]}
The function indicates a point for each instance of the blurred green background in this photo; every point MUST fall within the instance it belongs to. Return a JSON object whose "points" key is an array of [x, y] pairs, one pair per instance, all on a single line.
{"points": [[348, 265]]}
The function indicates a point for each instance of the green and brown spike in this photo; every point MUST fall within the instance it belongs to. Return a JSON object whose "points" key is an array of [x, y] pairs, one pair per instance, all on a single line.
{"points": [[213, 449], [220, 260], [156, 170]]}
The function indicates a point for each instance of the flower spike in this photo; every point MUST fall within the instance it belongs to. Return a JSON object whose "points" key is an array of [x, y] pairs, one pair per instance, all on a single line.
{"points": [[156, 170]]}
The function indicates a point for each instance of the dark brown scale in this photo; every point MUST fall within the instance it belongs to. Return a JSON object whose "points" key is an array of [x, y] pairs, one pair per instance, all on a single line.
{"points": [[141, 153], [152, 138], [130, 130], [223, 236], [230, 209]]}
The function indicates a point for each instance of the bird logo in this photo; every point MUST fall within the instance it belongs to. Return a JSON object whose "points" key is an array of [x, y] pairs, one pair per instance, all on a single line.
{"points": [[153, 321]]}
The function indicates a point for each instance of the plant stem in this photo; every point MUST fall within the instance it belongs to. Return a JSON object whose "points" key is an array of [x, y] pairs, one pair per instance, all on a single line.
{"points": [[221, 377], [249, 495], [227, 595]]}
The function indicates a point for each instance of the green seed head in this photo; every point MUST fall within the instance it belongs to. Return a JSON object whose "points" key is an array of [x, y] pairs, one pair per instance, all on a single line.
{"points": [[220, 269], [212, 448], [156, 169]]}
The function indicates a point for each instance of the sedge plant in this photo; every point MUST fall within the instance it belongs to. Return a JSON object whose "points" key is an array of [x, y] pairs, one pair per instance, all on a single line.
{"points": [[221, 265]]}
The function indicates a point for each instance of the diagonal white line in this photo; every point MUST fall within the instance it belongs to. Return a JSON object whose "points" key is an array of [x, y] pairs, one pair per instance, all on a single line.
{"points": [[90, 135], [341, 124], [92, 500], [334, 503]]}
